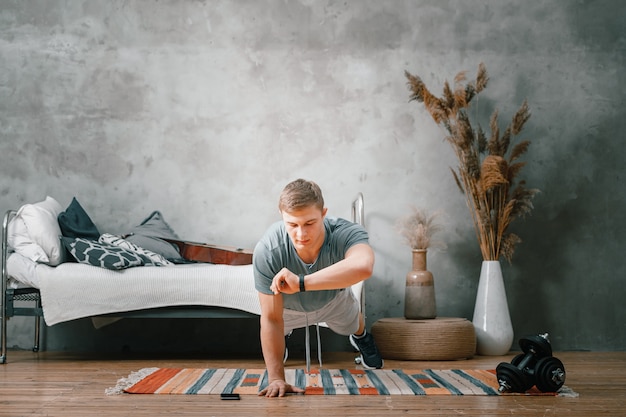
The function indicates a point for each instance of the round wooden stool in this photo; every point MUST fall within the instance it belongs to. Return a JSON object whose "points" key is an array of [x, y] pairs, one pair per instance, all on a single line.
{"points": [[442, 338]]}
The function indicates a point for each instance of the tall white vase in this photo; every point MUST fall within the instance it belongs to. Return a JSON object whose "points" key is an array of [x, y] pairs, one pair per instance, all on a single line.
{"points": [[492, 320]]}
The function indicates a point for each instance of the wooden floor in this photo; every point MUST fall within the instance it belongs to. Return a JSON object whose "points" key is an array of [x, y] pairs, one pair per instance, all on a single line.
{"points": [[56, 384]]}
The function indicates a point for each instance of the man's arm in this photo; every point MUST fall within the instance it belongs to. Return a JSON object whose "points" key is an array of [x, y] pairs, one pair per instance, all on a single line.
{"points": [[273, 345], [357, 266]]}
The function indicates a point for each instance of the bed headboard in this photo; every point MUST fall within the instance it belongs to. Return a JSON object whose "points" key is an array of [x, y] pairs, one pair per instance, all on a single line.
{"points": [[358, 216], [358, 210]]}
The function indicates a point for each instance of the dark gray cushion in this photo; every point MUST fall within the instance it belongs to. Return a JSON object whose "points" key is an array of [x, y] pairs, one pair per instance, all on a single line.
{"points": [[75, 222], [150, 235]]}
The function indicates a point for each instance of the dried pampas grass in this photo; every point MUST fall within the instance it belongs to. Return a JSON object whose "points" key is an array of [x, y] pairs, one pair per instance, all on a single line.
{"points": [[488, 167], [418, 229]]}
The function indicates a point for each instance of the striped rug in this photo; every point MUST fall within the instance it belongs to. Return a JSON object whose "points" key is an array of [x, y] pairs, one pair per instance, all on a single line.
{"points": [[317, 382]]}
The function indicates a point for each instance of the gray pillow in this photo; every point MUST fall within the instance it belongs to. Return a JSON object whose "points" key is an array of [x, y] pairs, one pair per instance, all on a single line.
{"points": [[150, 235]]}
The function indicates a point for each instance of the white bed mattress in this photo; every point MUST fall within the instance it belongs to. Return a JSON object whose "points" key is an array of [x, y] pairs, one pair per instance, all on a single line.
{"points": [[71, 290]]}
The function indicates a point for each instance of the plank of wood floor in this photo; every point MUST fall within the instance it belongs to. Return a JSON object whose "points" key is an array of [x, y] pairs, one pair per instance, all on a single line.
{"points": [[56, 384]]}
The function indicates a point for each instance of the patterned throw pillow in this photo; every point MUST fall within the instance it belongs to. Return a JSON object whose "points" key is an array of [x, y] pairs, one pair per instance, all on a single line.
{"points": [[103, 255], [152, 257]]}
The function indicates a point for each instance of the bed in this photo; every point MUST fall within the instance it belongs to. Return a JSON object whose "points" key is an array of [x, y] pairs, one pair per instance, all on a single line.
{"points": [[46, 279]]}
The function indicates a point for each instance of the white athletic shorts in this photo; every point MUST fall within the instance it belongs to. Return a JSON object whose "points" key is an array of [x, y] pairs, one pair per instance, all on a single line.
{"points": [[341, 315]]}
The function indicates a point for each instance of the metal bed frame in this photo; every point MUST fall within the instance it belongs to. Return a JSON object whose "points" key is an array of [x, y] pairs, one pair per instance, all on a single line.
{"points": [[13, 299]]}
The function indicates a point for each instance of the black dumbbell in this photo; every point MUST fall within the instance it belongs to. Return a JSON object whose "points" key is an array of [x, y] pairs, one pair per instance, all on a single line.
{"points": [[535, 366], [549, 374]]}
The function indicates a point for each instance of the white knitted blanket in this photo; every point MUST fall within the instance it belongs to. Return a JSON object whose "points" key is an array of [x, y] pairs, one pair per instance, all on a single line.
{"points": [[71, 290]]}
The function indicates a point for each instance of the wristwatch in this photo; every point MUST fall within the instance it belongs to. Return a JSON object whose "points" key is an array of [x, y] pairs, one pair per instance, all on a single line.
{"points": [[301, 276]]}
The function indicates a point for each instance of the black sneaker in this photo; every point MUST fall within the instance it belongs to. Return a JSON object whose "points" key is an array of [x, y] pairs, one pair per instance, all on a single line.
{"points": [[370, 356]]}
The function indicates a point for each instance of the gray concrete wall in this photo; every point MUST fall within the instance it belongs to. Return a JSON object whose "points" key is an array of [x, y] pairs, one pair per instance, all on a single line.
{"points": [[206, 109]]}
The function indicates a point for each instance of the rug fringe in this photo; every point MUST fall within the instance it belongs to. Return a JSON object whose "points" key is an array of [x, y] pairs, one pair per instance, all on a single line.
{"points": [[566, 391], [129, 381]]}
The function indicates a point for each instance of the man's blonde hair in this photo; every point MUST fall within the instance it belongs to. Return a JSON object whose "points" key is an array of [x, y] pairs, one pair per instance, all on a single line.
{"points": [[299, 194]]}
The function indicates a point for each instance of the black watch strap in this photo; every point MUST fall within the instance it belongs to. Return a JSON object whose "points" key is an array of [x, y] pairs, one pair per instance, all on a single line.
{"points": [[301, 276]]}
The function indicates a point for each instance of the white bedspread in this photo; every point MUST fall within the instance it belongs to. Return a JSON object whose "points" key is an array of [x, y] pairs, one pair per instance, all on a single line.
{"points": [[71, 290]]}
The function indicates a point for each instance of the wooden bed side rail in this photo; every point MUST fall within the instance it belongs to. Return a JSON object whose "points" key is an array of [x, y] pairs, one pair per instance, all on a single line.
{"points": [[216, 254]]}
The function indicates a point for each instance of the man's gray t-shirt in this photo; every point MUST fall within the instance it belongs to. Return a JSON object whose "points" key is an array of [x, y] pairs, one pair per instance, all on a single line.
{"points": [[275, 251]]}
